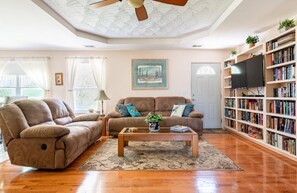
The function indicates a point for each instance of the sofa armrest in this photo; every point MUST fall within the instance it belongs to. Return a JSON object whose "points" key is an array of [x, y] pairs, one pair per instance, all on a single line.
{"points": [[114, 114], [196, 114], [44, 131], [86, 117]]}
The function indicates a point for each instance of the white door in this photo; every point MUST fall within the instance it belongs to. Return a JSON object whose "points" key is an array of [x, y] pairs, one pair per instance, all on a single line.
{"points": [[206, 92]]}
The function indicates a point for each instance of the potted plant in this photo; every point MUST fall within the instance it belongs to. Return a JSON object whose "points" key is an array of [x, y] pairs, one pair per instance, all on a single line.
{"points": [[252, 40], [233, 53], [286, 24], [153, 121]]}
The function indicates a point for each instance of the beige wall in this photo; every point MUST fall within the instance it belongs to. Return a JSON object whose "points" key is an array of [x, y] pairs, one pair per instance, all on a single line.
{"points": [[118, 69]]}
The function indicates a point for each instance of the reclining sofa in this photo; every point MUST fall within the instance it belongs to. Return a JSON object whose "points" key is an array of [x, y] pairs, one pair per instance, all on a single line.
{"points": [[46, 133], [161, 105]]}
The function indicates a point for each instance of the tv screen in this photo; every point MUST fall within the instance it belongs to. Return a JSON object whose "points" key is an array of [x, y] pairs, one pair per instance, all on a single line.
{"points": [[238, 75], [254, 70]]}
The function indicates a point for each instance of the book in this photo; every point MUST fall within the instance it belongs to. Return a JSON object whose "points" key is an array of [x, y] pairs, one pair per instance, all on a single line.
{"points": [[179, 128]]}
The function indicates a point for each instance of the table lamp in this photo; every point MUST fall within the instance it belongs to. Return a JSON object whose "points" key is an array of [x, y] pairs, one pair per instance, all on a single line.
{"points": [[102, 96]]}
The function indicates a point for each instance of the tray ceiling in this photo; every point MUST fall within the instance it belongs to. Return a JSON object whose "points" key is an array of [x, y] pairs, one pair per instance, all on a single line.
{"points": [[119, 20]]}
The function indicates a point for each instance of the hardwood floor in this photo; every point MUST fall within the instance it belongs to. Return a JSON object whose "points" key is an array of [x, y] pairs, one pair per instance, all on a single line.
{"points": [[263, 171]]}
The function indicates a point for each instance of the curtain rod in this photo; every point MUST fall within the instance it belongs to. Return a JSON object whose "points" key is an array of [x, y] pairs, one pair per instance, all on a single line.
{"points": [[13, 57], [86, 57]]}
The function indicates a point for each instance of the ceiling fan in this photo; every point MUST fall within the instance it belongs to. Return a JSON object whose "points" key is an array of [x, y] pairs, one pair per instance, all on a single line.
{"points": [[138, 5]]}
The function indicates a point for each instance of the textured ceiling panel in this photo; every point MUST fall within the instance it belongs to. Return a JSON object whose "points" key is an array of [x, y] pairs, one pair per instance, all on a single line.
{"points": [[119, 20]]}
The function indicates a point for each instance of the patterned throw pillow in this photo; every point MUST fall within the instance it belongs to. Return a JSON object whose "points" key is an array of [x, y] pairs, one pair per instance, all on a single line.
{"points": [[133, 111], [177, 110], [122, 108], [189, 108]]}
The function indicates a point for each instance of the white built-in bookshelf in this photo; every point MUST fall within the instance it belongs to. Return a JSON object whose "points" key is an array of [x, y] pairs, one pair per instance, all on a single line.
{"points": [[269, 120]]}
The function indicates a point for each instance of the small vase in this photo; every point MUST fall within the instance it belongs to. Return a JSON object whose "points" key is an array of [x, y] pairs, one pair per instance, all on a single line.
{"points": [[251, 45], [154, 126]]}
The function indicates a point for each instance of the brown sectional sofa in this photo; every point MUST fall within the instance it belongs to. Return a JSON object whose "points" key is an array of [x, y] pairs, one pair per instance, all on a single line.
{"points": [[46, 133], [162, 105]]}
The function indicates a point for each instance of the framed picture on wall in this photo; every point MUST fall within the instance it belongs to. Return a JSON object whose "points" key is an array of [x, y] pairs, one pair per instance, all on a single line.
{"points": [[59, 79], [149, 74]]}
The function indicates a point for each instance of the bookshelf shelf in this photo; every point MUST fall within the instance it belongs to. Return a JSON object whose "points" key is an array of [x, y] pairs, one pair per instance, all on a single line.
{"points": [[251, 124], [281, 115], [281, 65], [272, 118], [230, 118], [282, 133], [281, 47], [251, 111], [281, 81]]}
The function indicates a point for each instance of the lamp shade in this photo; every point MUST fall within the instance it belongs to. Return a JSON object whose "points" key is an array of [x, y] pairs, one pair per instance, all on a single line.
{"points": [[135, 3], [102, 96]]}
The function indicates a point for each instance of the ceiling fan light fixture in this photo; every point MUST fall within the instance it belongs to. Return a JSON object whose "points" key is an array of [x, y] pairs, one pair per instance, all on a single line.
{"points": [[135, 3]]}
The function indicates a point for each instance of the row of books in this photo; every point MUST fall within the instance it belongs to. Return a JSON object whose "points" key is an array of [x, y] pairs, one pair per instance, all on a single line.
{"points": [[282, 56], [230, 102], [282, 142], [230, 113], [251, 104], [282, 124], [230, 123], [282, 107], [289, 90], [284, 73], [255, 118], [281, 41], [253, 132]]}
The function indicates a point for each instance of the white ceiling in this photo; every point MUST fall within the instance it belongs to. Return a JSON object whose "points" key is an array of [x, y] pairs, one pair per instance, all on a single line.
{"points": [[72, 24]]}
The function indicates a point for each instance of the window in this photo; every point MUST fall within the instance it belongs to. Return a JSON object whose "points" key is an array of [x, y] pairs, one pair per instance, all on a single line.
{"points": [[85, 89], [205, 70], [14, 82]]}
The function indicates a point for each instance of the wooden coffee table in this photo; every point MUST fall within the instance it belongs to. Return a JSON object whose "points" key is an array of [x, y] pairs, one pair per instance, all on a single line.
{"points": [[143, 134]]}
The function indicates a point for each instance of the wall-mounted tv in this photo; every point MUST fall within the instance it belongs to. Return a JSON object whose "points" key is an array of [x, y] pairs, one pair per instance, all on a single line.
{"points": [[248, 73], [239, 75]]}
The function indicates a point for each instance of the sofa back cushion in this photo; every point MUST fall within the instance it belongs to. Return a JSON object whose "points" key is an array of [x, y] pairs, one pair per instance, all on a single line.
{"points": [[59, 111], [35, 111], [143, 104], [12, 122], [164, 105]]}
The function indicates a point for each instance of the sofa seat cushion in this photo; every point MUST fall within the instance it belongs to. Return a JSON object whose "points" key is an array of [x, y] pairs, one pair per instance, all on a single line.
{"points": [[77, 138], [95, 127], [44, 131]]}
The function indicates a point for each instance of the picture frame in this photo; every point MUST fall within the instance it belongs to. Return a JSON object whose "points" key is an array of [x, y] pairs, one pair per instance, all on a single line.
{"points": [[149, 74], [59, 79]]}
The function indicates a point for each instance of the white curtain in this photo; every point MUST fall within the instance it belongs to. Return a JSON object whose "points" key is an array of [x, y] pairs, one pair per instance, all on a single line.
{"points": [[3, 64], [38, 70], [71, 73], [97, 65]]}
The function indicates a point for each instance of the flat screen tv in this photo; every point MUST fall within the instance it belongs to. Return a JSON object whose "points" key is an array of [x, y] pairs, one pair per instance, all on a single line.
{"points": [[239, 75], [254, 70], [248, 73]]}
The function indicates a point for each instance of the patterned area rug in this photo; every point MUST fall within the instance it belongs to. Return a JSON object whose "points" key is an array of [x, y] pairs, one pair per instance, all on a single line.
{"points": [[157, 156]]}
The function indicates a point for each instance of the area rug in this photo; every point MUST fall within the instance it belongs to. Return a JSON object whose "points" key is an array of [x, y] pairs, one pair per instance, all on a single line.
{"points": [[157, 156]]}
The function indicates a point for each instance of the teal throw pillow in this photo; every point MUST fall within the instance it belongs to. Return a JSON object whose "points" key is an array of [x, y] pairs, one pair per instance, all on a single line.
{"points": [[122, 108], [133, 111], [189, 108]]}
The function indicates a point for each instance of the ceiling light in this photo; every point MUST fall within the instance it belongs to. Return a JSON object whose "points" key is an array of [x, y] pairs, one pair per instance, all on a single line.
{"points": [[197, 46], [135, 3], [89, 46]]}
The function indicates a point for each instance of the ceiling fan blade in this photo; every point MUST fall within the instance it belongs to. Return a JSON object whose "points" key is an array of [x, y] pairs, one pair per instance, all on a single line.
{"points": [[141, 13], [103, 3], [174, 2]]}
